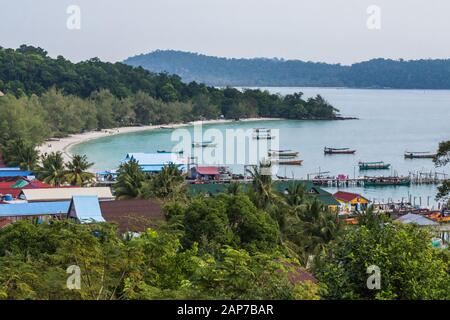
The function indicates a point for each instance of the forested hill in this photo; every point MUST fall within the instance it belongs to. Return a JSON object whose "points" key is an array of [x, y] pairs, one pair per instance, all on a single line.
{"points": [[377, 73]]}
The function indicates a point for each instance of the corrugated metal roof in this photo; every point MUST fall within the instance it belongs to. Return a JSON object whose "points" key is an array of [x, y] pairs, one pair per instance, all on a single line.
{"points": [[15, 173], [34, 209], [412, 218], [146, 159], [87, 209], [46, 194], [347, 196], [158, 168]]}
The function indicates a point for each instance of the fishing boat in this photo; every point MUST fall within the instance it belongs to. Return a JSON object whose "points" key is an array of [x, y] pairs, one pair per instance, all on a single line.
{"points": [[386, 181], [380, 165], [176, 152], [419, 155], [167, 127], [287, 162], [262, 134], [283, 153], [204, 144], [327, 150]]}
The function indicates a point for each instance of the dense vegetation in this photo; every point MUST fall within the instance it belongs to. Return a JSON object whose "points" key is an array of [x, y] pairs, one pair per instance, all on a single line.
{"points": [[237, 245], [377, 73], [441, 160]]}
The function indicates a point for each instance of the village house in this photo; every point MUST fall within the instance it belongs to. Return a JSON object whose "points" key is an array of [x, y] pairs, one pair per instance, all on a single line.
{"points": [[350, 202]]}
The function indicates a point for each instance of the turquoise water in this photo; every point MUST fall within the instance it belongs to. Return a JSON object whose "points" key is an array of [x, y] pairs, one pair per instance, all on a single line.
{"points": [[390, 122]]}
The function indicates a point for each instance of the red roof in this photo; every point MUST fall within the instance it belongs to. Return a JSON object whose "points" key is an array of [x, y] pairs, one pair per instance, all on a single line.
{"points": [[346, 196], [14, 192], [208, 170]]}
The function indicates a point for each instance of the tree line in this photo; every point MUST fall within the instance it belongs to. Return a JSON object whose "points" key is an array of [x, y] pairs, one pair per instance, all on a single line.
{"points": [[376, 73]]}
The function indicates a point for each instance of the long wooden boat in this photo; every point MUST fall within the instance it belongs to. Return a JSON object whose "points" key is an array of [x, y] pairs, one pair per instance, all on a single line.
{"points": [[327, 150], [380, 165], [287, 162], [386, 181], [419, 155], [263, 137], [283, 153], [204, 144], [176, 152]]}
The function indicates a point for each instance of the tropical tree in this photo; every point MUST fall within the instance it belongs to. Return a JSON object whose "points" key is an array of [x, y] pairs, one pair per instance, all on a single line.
{"points": [[77, 171], [130, 181], [21, 153], [441, 159], [262, 192], [168, 183], [409, 267], [52, 169], [295, 195]]}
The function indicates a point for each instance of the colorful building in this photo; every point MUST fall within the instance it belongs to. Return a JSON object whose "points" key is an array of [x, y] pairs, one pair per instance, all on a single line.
{"points": [[351, 201]]}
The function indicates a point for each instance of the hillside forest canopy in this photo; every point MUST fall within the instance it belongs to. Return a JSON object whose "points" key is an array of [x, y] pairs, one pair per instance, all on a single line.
{"points": [[376, 73]]}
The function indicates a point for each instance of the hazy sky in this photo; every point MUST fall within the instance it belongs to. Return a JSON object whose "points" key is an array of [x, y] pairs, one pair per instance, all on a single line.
{"points": [[316, 30]]}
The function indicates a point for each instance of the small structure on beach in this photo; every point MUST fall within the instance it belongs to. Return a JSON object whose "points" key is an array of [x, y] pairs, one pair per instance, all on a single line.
{"points": [[351, 201], [210, 173], [155, 162]]}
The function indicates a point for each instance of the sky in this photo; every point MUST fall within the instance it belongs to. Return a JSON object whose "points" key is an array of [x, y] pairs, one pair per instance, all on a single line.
{"points": [[333, 31]]}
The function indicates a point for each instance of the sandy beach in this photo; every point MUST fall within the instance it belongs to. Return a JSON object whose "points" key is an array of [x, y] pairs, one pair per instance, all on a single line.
{"points": [[64, 144]]}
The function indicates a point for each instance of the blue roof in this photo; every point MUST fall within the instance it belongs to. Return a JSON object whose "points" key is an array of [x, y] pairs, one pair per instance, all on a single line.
{"points": [[10, 169], [15, 173], [158, 168], [150, 159], [34, 209], [86, 209]]}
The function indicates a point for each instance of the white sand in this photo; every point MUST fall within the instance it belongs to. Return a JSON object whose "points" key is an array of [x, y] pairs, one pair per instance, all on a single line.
{"points": [[63, 145]]}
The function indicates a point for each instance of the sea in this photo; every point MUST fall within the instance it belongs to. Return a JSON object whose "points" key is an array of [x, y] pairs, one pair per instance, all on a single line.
{"points": [[389, 122]]}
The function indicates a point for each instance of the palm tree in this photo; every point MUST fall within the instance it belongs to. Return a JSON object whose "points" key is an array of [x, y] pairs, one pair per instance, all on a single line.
{"points": [[76, 173], [261, 191], [234, 188], [169, 182], [130, 180], [320, 226], [22, 154], [52, 169], [295, 195]]}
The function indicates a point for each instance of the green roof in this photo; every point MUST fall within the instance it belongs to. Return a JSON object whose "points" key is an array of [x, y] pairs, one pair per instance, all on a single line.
{"points": [[320, 194]]}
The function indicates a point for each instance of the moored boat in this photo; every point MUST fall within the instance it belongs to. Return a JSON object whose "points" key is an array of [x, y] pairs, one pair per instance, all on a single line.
{"points": [[204, 144], [176, 152], [380, 165], [287, 162], [419, 155], [283, 153], [327, 150]]}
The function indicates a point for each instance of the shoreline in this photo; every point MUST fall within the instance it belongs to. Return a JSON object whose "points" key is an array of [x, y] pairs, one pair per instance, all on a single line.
{"points": [[64, 145]]}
